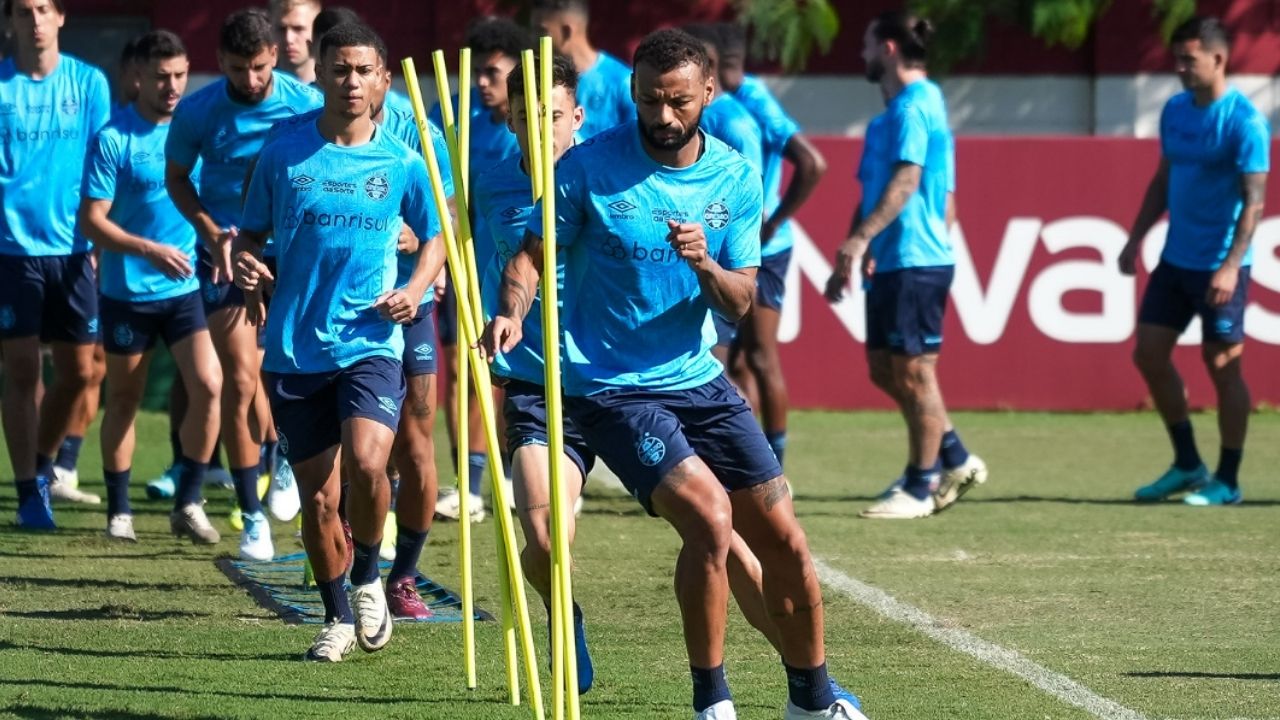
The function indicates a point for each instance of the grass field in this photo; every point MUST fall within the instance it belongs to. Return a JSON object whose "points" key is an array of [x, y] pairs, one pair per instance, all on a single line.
{"points": [[1171, 612]]}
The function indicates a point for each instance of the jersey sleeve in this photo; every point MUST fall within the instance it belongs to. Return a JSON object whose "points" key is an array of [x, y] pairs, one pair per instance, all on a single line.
{"points": [[442, 159], [1253, 153], [571, 202], [741, 247], [102, 166], [183, 144], [256, 215], [909, 134], [99, 101], [417, 207], [776, 126]]}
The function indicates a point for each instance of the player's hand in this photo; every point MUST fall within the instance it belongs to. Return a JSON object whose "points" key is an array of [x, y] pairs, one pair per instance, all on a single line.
{"points": [[250, 273], [408, 243], [255, 308], [169, 260], [220, 252], [1129, 258], [868, 267], [398, 306], [1222, 286], [689, 241], [499, 336], [850, 251]]}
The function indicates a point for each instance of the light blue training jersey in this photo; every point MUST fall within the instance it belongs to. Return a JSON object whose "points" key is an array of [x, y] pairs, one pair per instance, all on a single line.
{"points": [[335, 212], [728, 121], [126, 166], [490, 141], [1208, 149], [604, 92], [912, 129], [776, 130], [46, 126], [634, 315]]}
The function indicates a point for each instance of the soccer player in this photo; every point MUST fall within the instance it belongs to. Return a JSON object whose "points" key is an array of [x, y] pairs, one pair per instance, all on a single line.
{"points": [[756, 364], [641, 383], [127, 74], [334, 194], [149, 288], [291, 20], [1212, 179], [223, 126], [905, 175], [604, 81], [51, 105]]}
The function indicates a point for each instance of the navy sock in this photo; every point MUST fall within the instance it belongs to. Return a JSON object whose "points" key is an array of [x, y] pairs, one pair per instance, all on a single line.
{"points": [[809, 689], [44, 467], [921, 481], [952, 452], [477, 464], [190, 482], [1229, 467], [778, 443], [175, 445], [408, 549], [267, 462], [336, 605], [26, 488], [364, 569], [69, 452], [246, 482], [117, 492], [709, 687], [1185, 455]]}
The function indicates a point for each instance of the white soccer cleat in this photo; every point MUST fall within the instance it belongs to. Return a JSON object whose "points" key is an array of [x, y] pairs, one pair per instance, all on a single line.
{"points": [[577, 506], [387, 551], [334, 643], [373, 617], [900, 505], [283, 501], [120, 527], [447, 506], [722, 710], [958, 481], [190, 521], [840, 710], [219, 477], [65, 486], [255, 539]]}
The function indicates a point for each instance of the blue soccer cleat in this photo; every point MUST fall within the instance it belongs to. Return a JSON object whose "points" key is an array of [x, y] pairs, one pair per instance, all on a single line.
{"points": [[842, 694], [163, 487], [1172, 482], [586, 671], [1215, 492], [34, 513]]}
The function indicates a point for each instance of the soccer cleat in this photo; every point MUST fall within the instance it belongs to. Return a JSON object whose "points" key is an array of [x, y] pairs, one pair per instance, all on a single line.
{"points": [[334, 643], [841, 709], [841, 694], [350, 543], [577, 506], [164, 487], [722, 710], [373, 618], [1214, 492], [255, 539], [35, 513], [264, 486], [958, 481], [1172, 482], [120, 527], [387, 551], [219, 477], [895, 485], [235, 518], [65, 486], [283, 501], [586, 670], [901, 505], [447, 506], [190, 521], [404, 601]]}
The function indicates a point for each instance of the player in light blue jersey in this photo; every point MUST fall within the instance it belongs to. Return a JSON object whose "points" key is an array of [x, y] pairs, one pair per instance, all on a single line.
{"points": [[899, 232], [334, 194], [292, 21], [51, 105], [659, 224], [149, 289], [223, 126], [1212, 178], [604, 81]]}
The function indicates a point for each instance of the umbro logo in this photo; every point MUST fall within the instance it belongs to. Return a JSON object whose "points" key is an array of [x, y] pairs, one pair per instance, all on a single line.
{"points": [[387, 404], [621, 206], [511, 213], [423, 351], [301, 181]]}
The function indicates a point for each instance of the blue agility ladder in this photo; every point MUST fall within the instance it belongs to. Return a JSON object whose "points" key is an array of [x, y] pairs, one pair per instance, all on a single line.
{"points": [[277, 586]]}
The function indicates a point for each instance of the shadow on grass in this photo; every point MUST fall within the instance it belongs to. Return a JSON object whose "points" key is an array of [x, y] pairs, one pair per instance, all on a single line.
{"points": [[105, 612], [166, 555], [273, 693], [1203, 675], [39, 712], [1016, 499], [105, 584], [153, 654]]}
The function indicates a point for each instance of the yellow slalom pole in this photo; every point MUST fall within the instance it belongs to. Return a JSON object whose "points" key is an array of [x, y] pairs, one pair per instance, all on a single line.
{"points": [[561, 560], [470, 329], [534, 158], [461, 388]]}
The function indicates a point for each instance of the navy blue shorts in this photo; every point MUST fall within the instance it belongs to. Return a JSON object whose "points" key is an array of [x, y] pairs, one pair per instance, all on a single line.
{"points": [[643, 435], [905, 310], [130, 328], [220, 296], [1176, 295], [726, 332], [771, 280], [525, 410], [447, 319], [310, 409], [420, 343], [55, 297]]}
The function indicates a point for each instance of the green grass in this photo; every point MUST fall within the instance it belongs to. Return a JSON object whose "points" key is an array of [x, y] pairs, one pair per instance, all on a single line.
{"points": [[1168, 610]]}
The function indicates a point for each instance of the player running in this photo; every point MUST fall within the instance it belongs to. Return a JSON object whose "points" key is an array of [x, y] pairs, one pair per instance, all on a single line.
{"points": [[604, 81], [1212, 178]]}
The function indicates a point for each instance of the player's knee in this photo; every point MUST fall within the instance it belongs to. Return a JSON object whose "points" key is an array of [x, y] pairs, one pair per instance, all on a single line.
{"points": [[762, 361], [712, 529], [366, 471], [322, 505], [123, 398], [22, 372], [1149, 360], [241, 384]]}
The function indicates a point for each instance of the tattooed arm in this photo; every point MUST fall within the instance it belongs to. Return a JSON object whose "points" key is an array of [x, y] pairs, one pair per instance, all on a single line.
{"points": [[902, 185], [520, 280], [1253, 191]]}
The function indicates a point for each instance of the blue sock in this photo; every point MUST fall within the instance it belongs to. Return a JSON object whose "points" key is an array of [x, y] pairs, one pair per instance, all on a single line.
{"points": [[809, 689], [1185, 455], [709, 687], [246, 482], [364, 568], [117, 492], [69, 452], [337, 607], [44, 467], [408, 549], [1229, 467], [477, 464], [921, 481], [190, 482], [778, 443], [175, 445], [267, 458], [952, 452], [25, 488]]}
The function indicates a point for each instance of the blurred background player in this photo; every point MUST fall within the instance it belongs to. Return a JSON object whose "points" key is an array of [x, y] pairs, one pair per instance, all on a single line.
{"points": [[48, 289], [292, 20], [149, 289], [222, 126], [604, 81], [900, 235], [1212, 179]]}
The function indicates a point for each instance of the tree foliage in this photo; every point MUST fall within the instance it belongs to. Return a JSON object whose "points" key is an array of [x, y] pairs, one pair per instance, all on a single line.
{"points": [[789, 31]]}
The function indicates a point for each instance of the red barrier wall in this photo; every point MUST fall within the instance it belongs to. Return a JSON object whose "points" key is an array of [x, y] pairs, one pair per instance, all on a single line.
{"points": [[1039, 316]]}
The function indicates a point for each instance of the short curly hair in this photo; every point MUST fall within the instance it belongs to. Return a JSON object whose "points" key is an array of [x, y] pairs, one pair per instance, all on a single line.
{"points": [[563, 74], [488, 35], [245, 33], [666, 50]]}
